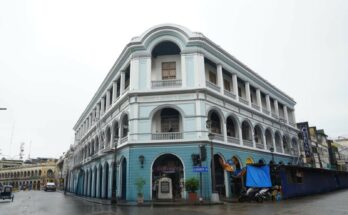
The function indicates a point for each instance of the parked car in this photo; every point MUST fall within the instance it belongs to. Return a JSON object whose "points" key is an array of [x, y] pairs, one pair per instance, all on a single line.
{"points": [[6, 193], [50, 186]]}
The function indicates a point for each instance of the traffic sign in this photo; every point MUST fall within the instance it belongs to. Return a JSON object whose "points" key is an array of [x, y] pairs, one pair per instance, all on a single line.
{"points": [[200, 169]]}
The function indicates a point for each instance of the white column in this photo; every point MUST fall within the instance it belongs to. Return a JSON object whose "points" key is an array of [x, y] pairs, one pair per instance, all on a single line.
{"points": [[258, 98], [220, 79], [225, 131], [183, 71], [102, 193], [286, 116], [273, 142], [247, 92], [85, 184], [268, 103], [235, 85], [102, 106], [98, 183], [111, 168], [264, 140], [93, 184], [122, 82], [114, 91], [107, 105], [276, 107], [98, 111], [240, 135]]}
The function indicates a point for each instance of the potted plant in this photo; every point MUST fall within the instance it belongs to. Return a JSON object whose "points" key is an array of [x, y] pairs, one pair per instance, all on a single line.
{"points": [[191, 186], [139, 183]]}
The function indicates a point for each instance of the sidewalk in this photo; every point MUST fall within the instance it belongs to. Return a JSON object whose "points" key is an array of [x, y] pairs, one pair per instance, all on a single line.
{"points": [[145, 204]]}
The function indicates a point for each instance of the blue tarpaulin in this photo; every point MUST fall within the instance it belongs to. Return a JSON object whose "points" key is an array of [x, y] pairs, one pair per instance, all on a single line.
{"points": [[258, 176]]}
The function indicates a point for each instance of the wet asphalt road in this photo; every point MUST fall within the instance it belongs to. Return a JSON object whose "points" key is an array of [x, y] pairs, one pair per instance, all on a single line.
{"points": [[55, 203]]}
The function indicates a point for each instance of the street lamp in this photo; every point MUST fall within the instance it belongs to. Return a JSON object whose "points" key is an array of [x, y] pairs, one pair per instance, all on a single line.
{"points": [[272, 151], [214, 195]]}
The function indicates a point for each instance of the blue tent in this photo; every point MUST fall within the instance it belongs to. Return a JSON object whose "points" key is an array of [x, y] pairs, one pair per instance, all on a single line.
{"points": [[258, 176]]}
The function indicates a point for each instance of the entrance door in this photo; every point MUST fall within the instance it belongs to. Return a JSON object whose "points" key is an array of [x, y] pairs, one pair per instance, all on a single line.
{"points": [[124, 180], [170, 166], [219, 176]]}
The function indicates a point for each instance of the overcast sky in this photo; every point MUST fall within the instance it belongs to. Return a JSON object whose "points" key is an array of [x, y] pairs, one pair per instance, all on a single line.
{"points": [[55, 54]]}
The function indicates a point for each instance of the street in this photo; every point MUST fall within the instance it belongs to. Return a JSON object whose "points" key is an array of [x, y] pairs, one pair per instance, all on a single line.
{"points": [[55, 203]]}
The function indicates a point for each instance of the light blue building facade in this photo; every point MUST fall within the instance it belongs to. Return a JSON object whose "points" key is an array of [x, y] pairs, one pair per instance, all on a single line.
{"points": [[150, 113]]}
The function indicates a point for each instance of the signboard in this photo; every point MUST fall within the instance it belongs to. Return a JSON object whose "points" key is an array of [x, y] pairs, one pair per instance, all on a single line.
{"points": [[306, 141], [200, 169], [165, 187]]}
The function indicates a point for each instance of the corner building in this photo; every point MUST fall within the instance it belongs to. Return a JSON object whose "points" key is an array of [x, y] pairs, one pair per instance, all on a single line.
{"points": [[151, 110]]}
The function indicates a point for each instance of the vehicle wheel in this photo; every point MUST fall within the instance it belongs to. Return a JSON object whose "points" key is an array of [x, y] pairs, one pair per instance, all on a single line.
{"points": [[259, 199]]}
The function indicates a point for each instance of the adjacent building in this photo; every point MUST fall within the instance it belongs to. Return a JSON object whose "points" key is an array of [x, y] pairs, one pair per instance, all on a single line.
{"points": [[168, 90], [5, 163], [32, 174]]}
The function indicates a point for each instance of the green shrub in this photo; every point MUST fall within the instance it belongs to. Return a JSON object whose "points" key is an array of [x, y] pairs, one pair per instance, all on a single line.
{"points": [[191, 184]]}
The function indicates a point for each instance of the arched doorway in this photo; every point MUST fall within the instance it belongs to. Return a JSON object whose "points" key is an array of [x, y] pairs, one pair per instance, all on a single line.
{"points": [[219, 176], [237, 178], [80, 182], [106, 180], [249, 161], [124, 179], [168, 165]]}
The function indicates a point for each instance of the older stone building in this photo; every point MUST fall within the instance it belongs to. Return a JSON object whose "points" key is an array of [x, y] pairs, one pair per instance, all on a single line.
{"points": [[168, 90], [32, 175]]}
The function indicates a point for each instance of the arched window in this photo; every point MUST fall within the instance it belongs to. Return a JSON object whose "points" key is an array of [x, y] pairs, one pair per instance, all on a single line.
{"points": [[295, 146], [246, 131], [231, 127], [215, 121], [286, 145], [258, 137], [278, 143], [167, 124], [170, 120], [269, 139]]}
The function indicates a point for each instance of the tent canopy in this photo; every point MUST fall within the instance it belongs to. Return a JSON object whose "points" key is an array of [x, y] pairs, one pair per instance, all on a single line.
{"points": [[258, 176]]}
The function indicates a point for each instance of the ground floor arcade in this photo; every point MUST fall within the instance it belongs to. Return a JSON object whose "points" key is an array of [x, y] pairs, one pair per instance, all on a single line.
{"points": [[150, 163]]}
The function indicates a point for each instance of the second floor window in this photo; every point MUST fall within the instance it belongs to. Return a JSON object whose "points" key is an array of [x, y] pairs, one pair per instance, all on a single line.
{"points": [[212, 77], [168, 70], [227, 85]]}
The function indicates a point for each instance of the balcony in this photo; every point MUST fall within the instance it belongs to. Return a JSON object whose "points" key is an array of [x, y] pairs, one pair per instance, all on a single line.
{"points": [[218, 137], [124, 139], [260, 146], [167, 136], [233, 140], [265, 111], [279, 149], [212, 86], [248, 143], [255, 106], [282, 120], [274, 115], [230, 94], [166, 83], [243, 100], [292, 124]]}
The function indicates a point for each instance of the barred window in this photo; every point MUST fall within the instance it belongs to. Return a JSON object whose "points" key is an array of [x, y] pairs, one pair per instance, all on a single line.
{"points": [[212, 77]]}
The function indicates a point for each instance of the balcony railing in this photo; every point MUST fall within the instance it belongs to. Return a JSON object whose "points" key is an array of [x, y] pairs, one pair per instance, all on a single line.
{"points": [[282, 120], [274, 115], [230, 94], [269, 146], [292, 124], [124, 139], [233, 140], [218, 137], [243, 100], [279, 149], [265, 111], [255, 106], [248, 143], [167, 136], [166, 83], [213, 86], [260, 146]]}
